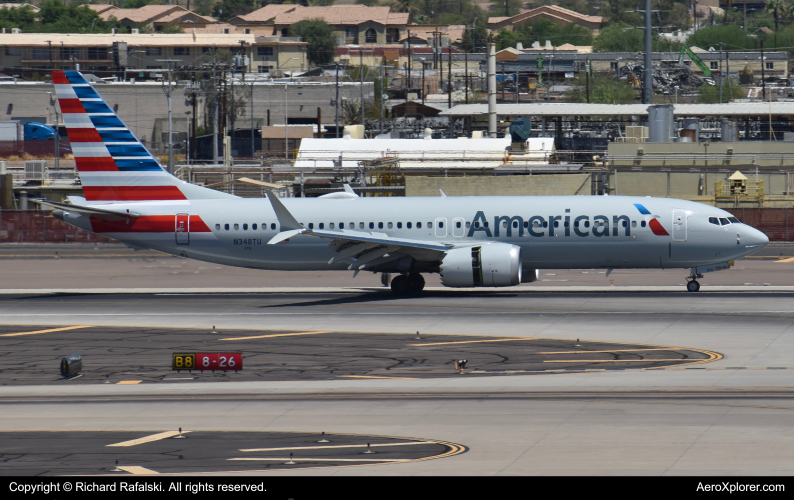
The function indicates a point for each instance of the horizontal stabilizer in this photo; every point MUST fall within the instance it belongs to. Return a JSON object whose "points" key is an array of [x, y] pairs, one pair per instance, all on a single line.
{"points": [[102, 213]]}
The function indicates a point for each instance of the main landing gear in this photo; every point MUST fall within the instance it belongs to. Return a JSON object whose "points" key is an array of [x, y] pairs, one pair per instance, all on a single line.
{"points": [[407, 284], [691, 283]]}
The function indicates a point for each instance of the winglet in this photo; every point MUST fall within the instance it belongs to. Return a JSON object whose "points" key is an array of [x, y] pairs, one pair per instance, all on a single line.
{"points": [[285, 219], [349, 189]]}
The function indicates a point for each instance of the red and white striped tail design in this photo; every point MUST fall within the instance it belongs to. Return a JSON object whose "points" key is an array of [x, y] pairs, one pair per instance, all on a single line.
{"points": [[113, 164]]}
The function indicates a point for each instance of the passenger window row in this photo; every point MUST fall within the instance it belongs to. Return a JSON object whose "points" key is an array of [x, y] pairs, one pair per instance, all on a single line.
{"points": [[245, 227]]}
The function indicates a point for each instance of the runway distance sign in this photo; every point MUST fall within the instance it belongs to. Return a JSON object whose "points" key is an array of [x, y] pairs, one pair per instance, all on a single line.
{"points": [[224, 361]]}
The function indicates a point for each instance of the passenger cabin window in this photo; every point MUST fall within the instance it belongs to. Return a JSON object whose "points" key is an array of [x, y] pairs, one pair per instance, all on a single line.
{"points": [[430, 225], [245, 227], [218, 227], [236, 227], [389, 225], [361, 225], [372, 225], [504, 224], [642, 223], [714, 220], [380, 225], [468, 224], [253, 226], [408, 225], [273, 226], [322, 225], [634, 223], [330, 225], [457, 224], [399, 225], [311, 225], [419, 225]]}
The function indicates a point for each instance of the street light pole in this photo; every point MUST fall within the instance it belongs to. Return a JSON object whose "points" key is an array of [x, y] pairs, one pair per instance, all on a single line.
{"points": [[170, 118]]}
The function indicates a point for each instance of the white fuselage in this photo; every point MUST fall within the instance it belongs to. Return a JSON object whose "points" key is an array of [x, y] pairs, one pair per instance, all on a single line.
{"points": [[552, 231]]}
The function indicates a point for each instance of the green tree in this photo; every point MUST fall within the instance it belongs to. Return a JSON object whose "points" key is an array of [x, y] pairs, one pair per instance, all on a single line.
{"points": [[59, 18], [135, 4], [603, 90], [710, 36], [544, 30], [775, 7], [21, 17], [368, 3], [622, 37], [710, 94], [320, 37], [412, 7], [202, 7], [227, 9]]}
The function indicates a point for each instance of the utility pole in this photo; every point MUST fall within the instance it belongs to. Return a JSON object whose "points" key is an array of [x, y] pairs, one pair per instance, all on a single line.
{"points": [[721, 44], [647, 87], [336, 103], [466, 70], [423, 79], [763, 73], [449, 80], [361, 71], [216, 123], [380, 97], [410, 62], [253, 144], [170, 117]]}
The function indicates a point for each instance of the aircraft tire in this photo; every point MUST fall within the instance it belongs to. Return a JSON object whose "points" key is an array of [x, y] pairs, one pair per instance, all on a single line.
{"points": [[417, 282], [400, 285], [693, 286]]}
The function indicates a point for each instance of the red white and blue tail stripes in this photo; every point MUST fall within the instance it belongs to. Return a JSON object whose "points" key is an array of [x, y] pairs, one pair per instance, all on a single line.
{"points": [[113, 164]]}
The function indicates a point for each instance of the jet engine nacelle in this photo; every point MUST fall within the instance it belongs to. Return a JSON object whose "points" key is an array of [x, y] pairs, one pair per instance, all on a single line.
{"points": [[490, 264]]}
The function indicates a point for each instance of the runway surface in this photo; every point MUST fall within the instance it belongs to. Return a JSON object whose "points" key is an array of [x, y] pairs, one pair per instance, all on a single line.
{"points": [[732, 415], [174, 452]]}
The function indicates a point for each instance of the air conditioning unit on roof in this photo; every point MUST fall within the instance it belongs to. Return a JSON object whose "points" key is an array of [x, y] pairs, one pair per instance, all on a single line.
{"points": [[35, 170]]}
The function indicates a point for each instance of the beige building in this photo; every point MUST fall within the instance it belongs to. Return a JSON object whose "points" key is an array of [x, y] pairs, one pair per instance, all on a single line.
{"points": [[94, 52], [552, 13], [357, 24], [152, 17]]}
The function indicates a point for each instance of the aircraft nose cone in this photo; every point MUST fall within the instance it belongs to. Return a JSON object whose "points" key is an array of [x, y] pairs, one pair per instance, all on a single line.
{"points": [[755, 239]]}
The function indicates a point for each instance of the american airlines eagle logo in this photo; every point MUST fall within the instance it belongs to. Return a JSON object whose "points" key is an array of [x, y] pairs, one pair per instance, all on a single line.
{"points": [[652, 220]]}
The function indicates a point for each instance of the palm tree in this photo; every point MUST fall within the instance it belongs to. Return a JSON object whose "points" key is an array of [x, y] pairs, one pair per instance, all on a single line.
{"points": [[413, 7], [775, 6]]}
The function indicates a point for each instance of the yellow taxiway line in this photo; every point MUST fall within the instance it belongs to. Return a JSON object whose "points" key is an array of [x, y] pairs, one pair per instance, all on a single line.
{"points": [[273, 336], [129, 382], [45, 331], [474, 341], [148, 439], [329, 459], [790, 259], [615, 350], [337, 446], [611, 360]]}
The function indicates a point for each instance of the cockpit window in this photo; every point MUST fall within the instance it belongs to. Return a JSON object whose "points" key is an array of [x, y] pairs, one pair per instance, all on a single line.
{"points": [[714, 221], [724, 221], [734, 220]]}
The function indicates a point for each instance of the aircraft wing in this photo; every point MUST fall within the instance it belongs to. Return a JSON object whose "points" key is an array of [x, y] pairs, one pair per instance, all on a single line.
{"points": [[98, 212], [365, 249]]}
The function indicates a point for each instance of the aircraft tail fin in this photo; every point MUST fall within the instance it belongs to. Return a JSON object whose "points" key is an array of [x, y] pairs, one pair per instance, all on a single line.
{"points": [[113, 163]]}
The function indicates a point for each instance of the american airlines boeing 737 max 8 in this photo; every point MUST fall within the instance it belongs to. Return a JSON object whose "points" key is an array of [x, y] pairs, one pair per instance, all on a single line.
{"points": [[488, 241]]}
